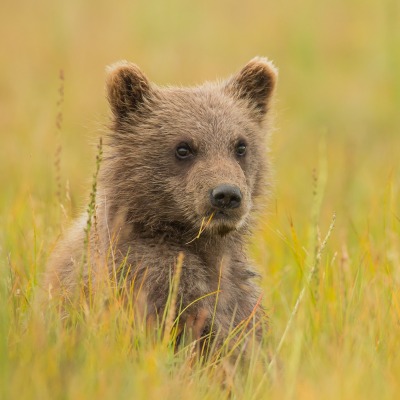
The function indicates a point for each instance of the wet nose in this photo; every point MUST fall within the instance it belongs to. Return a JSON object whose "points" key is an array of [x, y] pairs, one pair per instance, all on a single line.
{"points": [[226, 196]]}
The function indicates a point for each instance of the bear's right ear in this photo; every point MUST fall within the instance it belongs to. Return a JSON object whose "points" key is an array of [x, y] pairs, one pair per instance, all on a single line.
{"points": [[127, 88]]}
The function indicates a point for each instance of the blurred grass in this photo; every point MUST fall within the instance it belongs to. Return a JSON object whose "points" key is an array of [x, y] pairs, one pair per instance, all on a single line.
{"points": [[336, 116]]}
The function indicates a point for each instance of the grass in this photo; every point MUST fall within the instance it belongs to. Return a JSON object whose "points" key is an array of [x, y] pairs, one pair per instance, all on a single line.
{"points": [[332, 294]]}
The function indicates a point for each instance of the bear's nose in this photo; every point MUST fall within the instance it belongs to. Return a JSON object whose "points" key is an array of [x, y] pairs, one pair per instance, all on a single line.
{"points": [[226, 196]]}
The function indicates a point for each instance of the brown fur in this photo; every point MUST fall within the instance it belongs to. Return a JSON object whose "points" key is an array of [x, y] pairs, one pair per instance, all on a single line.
{"points": [[150, 205]]}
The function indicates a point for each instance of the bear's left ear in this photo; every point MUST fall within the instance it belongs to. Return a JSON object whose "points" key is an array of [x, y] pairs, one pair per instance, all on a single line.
{"points": [[127, 88], [255, 83]]}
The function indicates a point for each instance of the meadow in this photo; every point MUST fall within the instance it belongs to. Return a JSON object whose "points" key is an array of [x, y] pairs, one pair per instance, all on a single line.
{"points": [[328, 246]]}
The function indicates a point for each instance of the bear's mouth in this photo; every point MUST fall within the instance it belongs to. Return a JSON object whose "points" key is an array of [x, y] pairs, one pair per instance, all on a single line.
{"points": [[220, 215], [222, 222], [213, 221]]}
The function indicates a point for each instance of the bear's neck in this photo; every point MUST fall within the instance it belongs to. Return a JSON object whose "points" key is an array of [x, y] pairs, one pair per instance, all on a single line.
{"points": [[209, 247], [178, 235]]}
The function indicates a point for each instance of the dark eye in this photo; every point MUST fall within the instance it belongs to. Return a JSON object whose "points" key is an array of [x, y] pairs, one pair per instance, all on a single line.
{"points": [[241, 149], [183, 151]]}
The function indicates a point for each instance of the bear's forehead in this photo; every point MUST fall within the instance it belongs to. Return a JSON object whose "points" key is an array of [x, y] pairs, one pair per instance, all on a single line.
{"points": [[203, 113]]}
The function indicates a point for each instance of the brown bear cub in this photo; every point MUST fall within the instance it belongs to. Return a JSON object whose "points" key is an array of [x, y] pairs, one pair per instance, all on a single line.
{"points": [[183, 172]]}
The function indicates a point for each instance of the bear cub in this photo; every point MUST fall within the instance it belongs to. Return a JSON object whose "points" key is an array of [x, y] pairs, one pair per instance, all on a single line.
{"points": [[184, 170]]}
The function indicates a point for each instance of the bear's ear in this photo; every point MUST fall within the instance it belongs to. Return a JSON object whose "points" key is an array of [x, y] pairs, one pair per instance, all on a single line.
{"points": [[127, 88], [255, 84]]}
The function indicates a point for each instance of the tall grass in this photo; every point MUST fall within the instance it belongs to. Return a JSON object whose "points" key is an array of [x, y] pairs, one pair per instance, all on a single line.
{"points": [[332, 294]]}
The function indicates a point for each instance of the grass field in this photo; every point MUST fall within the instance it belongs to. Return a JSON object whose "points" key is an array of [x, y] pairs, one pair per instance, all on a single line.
{"points": [[336, 150]]}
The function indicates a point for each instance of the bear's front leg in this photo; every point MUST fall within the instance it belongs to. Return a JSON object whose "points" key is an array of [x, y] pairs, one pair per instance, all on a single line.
{"points": [[171, 294]]}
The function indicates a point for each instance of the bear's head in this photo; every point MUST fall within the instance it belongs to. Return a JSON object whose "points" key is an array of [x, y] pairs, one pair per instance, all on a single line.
{"points": [[180, 157]]}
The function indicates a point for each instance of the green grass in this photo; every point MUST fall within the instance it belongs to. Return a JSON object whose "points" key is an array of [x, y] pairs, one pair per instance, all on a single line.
{"points": [[334, 307]]}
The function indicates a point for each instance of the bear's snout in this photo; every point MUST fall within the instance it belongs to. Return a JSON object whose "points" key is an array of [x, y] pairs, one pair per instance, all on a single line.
{"points": [[225, 197]]}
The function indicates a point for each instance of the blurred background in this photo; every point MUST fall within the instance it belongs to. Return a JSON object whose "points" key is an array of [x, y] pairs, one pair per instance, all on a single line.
{"points": [[337, 134]]}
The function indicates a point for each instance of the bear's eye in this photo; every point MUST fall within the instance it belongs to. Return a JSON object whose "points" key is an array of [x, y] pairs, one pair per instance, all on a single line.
{"points": [[241, 149], [183, 151]]}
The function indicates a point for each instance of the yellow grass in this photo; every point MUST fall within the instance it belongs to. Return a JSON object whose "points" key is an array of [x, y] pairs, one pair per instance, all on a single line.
{"points": [[334, 305]]}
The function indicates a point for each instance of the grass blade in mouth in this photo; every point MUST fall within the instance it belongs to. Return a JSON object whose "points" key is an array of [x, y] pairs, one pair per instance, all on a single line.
{"points": [[203, 227]]}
